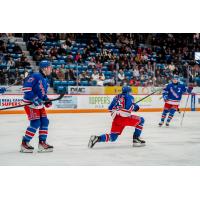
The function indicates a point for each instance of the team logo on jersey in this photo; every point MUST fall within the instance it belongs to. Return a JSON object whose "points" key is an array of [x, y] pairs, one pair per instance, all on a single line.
{"points": [[173, 92], [41, 88]]}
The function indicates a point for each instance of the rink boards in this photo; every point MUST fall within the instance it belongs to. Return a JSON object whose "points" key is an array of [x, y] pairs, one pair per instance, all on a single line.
{"points": [[96, 103]]}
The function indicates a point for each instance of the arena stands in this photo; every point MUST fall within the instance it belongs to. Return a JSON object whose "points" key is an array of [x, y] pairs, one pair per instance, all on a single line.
{"points": [[107, 59]]}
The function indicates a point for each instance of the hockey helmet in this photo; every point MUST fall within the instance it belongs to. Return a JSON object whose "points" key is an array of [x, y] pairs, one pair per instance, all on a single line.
{"points": [[44, 63], [126, 89]]}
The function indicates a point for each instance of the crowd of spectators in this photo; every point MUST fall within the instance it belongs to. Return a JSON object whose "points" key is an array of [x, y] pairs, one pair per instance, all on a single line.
{"points": [[13, 62], [117, 59]]}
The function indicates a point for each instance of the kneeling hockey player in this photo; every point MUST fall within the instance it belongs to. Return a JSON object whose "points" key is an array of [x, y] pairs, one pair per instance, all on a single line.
{"points": [[121, 107]]}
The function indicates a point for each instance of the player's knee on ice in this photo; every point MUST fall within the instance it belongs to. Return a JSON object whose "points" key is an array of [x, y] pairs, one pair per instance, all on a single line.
{"points": [[113, 137], [35, 123]]}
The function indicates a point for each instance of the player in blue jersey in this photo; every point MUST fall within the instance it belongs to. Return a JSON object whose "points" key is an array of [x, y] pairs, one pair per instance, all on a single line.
{"points": [[2, 90], [121, 107], [35, 92], [172, 95]]}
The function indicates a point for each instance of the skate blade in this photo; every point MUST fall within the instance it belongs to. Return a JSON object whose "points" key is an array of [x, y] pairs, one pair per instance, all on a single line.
{"points": [[45, 150], [90, 143], [26, 151], [139, 145]]}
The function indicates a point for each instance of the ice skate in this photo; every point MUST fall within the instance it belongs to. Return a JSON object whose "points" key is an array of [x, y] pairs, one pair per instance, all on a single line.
{"points": [[161, 123], [138, 142], [26, 147], [167, 124], [44, 147], [93, 140]]}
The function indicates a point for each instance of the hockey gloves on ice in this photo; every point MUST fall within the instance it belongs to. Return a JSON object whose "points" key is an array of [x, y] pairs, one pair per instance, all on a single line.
{"points": [[2, 90], [37, 101]]}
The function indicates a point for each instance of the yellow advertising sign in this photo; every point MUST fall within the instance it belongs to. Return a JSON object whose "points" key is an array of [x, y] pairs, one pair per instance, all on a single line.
{"points": [[117, 89]]}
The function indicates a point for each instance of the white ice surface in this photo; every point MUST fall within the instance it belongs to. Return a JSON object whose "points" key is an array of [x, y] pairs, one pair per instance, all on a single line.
{"points": [[69, 133]]}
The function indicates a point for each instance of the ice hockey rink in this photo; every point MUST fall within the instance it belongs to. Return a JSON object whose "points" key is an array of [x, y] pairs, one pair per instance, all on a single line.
{"points": [[69, 134]]}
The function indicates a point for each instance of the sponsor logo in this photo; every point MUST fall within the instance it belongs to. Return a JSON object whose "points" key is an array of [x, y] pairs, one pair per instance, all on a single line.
{"points": [[77, 90], [10, 102]]}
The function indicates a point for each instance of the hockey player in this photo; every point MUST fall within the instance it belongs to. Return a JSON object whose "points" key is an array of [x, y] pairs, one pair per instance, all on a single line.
{"points": [[172, 95], [121, 107], [2, 90], [35, 92]]}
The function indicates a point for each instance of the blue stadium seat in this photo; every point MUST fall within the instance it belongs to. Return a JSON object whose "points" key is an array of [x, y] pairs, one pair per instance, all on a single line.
{"points": [[128, 74], [21, 71], [108, 76], [61, 62], [108, 73], [72, 66], [64, 83], [61, 89], [84, 83], [104, 68], [71, 83], [3, 66], [197, 79], [67, 67], [85, 68], [56, 84]]}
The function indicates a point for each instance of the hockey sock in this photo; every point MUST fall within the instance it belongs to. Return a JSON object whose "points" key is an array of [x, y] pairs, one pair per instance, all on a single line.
{"points": [[43, 131], [171, 114], [31, 130], [108, 137], [138, 128], [164, 115]]}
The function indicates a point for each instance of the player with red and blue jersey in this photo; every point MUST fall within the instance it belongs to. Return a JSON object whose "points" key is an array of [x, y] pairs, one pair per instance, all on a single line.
{"points": [[172, 95], [121, 107], [35, 91]]}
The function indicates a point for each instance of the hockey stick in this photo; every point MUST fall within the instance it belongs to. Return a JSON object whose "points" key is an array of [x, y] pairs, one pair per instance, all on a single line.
{"points": [[149, 95], [50, 100], [184, 110]]}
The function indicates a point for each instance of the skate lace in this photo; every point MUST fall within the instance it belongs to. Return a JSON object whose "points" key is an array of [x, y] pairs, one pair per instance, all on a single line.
{"points": [[44, 144]]}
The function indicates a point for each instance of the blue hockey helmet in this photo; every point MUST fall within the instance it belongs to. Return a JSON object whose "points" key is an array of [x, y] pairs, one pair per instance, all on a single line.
{"points": [[126, 89], [44, 63], [175, 77]]}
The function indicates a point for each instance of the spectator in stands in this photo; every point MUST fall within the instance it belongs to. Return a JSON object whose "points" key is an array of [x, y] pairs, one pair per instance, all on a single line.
{"points": [[84, 76], [10, 63], [100, 82], [17, 49], [70, 75], [53, 53], [121, 76], [92, 63], [60, 75], [78, 58]]}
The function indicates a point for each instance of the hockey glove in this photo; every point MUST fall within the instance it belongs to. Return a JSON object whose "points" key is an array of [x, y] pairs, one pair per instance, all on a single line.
{"points": [[2, 90], [37, 101], [47, 103], [136, 107]]}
